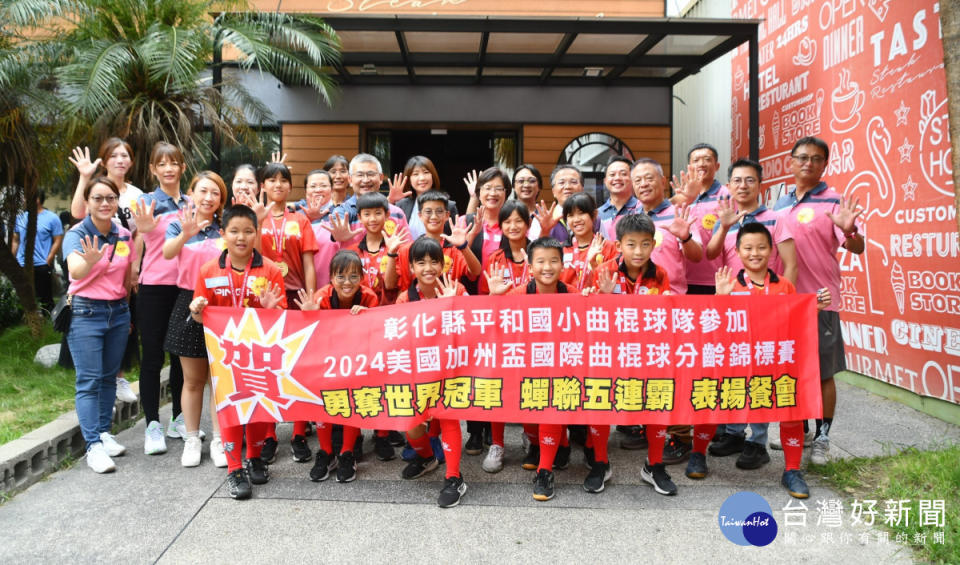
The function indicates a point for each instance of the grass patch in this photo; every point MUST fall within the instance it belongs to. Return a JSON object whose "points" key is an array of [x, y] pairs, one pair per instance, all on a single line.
{"points": [[907, 475], [31, 395]]}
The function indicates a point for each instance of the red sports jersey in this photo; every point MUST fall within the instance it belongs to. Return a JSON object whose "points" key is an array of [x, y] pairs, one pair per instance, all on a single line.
{"points": [[329, 300], [772, 284], [284, 241], [576, 271], [519, 273], [412, 294], [222, 285], [453, 263], [374, 265], [654, 279]]}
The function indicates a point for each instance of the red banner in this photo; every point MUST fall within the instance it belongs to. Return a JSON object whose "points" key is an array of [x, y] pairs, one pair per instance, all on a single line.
{"points": [[609, 359]]}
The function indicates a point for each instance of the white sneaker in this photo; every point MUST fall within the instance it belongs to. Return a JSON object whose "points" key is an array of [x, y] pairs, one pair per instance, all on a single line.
{"points": [[153, 442], [217, 454], [821, 451], [98, 460], [124, 392], [493, 462], [191, 452], [111, 446], [775, 442], [177, 428]]}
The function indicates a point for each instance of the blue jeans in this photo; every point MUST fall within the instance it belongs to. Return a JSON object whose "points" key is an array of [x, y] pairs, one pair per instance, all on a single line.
{"points": [[97, 337], [758, 432]]}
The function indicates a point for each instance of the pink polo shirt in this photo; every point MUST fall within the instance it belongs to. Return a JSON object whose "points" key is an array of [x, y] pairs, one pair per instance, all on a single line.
{"points": [[778, 231], [155, 270], [198, 250], [324, 254], [816, 238], [106, 279], [704, 210]]}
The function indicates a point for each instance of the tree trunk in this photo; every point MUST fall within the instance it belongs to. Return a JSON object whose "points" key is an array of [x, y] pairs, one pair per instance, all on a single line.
{"points": [[950, 24]]}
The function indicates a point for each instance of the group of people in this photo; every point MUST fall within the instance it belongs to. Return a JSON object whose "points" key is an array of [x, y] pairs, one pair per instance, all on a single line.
{"points": [[186, 250]]}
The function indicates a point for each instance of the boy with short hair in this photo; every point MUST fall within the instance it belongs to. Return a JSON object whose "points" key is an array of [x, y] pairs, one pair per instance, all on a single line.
{"points": [[754, 244], [241, 277]]}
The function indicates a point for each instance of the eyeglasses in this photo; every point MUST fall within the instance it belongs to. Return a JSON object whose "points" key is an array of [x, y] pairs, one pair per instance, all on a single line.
{"points": [[564, 183], [494, 188], [527, 180], [815, 159], [366, 174], [342, 279], [98, 200], [439, 212], [749, 181]]}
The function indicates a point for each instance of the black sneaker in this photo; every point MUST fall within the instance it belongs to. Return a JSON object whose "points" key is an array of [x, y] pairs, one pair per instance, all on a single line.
{"points": [[452, 492], [697, 466], [589, 459], [727, 445], [676, 451], [269, 451], [474, 445], [532, 459], [795, 485], [562, 459], [419, 467], [396, 438], [543, 485], [383, 449], [634, 438], [346, 468], [599, 474], [657, 476], [322, 465], [301, 451], [238, 486], [754, 456], [257, 471]]}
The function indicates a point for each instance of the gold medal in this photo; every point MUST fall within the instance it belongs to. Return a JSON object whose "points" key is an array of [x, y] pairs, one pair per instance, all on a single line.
{"points": [[284, 269]]}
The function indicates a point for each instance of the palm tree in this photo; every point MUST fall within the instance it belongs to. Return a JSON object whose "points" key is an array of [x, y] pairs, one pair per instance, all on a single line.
{"points": [[139, 69]]}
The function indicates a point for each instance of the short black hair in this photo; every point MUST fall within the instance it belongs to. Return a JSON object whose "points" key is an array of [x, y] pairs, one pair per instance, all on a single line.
{"points": [[744, 162], [579, 201], [323, 172], [433, 196], [345, 261], [238, 211], [816, 142], [544, 243], [371, 201], [426, 246], [699, 146], [511, 206], [635, 223], [491, 173], [618, 159], [533, 171], [335, 160], [271, 170], [754, 227]]}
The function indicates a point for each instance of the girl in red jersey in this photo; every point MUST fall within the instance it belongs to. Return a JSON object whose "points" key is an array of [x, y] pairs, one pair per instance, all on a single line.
{"points": [[345, 291], [587, 249], [241, 278]]}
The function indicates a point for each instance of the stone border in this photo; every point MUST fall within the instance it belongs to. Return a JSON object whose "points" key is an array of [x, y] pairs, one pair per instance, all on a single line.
{"points": [[30, 458]]}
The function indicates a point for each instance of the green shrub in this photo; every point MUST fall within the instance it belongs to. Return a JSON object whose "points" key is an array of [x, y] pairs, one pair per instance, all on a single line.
{"points": [[11, 311]]}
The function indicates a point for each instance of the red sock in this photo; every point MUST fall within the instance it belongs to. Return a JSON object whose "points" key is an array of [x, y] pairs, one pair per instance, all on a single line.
{"points": [[421, 445], [791, 438], [589, 441], [597, 437], [382, 433], [256, 433], [300, 428], [532, 432], [232, 437], [549, 443], [564, 437], [350, 434], [496, 433], [325, 436], [656, 437], [702, 434], [433, 430], [271, 432], [452, 438]]}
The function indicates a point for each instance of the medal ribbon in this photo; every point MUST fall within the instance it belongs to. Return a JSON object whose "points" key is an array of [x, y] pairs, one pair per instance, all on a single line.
{"points": [[238, 300]]}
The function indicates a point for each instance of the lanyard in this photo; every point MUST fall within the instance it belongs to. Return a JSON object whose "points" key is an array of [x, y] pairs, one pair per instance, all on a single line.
{"points": [[278, 239], [751, 286], [238, 300]]}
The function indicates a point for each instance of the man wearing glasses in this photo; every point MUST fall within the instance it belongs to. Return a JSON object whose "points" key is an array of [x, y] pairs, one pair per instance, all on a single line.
{"points": [[366, 175], [821, 222], [564, 181]]}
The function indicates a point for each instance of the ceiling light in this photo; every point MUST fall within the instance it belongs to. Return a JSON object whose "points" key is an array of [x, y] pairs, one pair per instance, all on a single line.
{"points": [[368, 69], [592, 72]]}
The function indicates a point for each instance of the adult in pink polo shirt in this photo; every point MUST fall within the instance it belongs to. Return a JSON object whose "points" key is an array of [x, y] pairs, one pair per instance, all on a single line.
{"points": [[821, 222]]}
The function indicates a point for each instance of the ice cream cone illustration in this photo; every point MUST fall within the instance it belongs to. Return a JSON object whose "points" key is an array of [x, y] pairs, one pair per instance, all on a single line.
{"points": [[898, 283]]}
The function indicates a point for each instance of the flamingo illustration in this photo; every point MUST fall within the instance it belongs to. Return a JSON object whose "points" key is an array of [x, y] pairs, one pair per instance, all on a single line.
{"points": [[875, 191]]}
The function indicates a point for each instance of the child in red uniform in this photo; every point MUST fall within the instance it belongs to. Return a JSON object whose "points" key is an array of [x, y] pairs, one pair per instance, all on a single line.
{"points": [[288, 241], [587, 249], [241, 278], [546, 263], [633, 273], [426, 258], [755, 245], [458, 261], [345, 291]]}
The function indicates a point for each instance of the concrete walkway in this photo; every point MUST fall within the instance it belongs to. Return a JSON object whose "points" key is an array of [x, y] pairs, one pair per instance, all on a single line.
{"points": [[153, 510]]}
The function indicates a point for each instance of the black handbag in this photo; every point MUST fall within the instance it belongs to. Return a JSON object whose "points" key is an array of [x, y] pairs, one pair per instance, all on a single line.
{"points": [[62, 314]]}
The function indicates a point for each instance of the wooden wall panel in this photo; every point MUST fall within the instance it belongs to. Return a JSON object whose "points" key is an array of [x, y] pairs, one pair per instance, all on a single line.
{"points": [[309, 145], [542, 144]]}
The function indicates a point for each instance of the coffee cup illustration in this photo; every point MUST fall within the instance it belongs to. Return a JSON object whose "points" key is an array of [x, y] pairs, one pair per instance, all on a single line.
{"points": [[846, 101]]}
